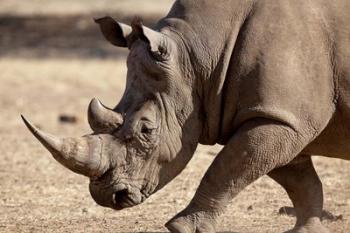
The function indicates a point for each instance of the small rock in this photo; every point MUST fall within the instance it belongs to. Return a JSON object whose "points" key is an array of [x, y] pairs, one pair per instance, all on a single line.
{"points": [[65, 118], [85, 210], [250, 207], [212, 153]]}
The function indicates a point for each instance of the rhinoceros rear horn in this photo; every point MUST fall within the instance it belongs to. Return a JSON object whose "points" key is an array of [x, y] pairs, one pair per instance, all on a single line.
{"points": [[80, 155], [103, 119], [116, 33]]}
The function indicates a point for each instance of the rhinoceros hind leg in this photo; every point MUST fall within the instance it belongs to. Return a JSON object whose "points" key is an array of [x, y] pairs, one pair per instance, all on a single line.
{"points": [[304, 188]]}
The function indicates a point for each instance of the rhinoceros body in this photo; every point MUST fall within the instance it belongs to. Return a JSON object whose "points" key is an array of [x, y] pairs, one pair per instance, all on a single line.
{"points": [[267, 79], [287, 60]]}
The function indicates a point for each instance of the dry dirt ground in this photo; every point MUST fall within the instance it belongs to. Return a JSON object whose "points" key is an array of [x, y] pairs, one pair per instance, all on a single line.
{"points": [[55, 74]]}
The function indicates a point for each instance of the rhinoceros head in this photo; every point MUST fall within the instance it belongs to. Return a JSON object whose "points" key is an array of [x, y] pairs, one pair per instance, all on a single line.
{"points": [[149, 137]]}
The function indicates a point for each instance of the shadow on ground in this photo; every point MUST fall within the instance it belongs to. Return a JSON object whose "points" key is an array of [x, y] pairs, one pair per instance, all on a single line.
{"points": [[41, 36]]}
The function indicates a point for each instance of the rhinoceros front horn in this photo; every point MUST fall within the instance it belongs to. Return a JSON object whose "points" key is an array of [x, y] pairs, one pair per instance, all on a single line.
{"points": [[102, 119], [81, 155]]}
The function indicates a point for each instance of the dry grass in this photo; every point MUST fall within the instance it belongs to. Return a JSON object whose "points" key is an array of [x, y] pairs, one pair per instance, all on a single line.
{"points": [[39, 195]]}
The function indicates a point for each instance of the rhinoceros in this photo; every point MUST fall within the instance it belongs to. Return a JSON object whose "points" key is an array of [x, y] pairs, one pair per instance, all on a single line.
{"points": [[269, 80]]}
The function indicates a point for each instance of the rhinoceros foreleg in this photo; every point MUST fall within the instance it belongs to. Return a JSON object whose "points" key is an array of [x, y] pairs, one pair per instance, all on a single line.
{"points": [[258, 146], [304, 188]]}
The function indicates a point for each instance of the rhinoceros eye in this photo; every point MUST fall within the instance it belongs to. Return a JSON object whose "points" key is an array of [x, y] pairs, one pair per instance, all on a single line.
{"points": [[146, 130]]}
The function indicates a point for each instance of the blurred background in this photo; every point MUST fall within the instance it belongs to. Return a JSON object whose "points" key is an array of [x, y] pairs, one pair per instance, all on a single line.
{"points": [[53, 61], [41, 29]]}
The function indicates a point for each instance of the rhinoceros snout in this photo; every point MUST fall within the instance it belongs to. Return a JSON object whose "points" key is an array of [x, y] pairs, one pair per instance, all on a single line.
{"points": [[102, 196], [118, 197], [126, 198]]}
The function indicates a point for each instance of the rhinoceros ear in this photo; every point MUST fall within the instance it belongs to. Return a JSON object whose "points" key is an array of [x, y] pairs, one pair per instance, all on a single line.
{"points": [[114, 32], [154, 39]]}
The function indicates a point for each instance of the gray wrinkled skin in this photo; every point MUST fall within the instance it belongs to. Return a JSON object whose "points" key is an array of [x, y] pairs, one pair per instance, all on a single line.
{"points": [[267, 79]]}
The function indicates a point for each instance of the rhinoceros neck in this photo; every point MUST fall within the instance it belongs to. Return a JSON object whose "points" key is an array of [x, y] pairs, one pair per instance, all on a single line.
{"points": [[210, 30]]}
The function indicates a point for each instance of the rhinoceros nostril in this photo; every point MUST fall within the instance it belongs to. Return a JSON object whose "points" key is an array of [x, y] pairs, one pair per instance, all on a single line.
{"points": [[119, 196]]}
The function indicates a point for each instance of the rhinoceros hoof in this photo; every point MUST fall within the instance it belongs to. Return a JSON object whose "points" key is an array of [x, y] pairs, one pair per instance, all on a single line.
{"points": [[309, 229], [191, 223]]}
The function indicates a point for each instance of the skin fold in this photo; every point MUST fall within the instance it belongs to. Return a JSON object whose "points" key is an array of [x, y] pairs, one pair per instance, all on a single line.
{"points": [[267, 79]]}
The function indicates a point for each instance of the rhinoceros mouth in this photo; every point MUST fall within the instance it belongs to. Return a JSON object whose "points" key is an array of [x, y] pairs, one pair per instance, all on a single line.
{"points": [[121, 199], [125, 198]]}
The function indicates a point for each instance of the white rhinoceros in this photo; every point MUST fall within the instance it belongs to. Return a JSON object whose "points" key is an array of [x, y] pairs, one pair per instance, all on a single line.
{"points": [[268, 79]]}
